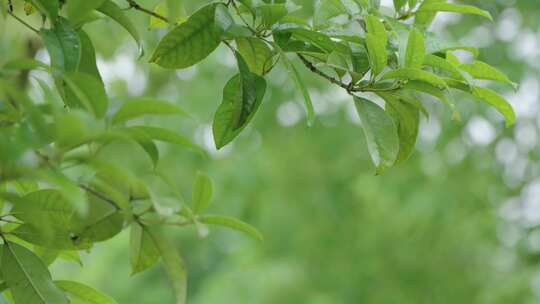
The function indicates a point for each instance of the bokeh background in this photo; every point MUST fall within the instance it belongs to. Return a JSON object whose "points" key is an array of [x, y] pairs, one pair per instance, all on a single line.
{"points": [[457, 223]]}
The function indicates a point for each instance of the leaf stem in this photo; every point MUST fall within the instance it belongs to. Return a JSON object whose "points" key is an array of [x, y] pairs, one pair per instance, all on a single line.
{"points": [[10, 12]]}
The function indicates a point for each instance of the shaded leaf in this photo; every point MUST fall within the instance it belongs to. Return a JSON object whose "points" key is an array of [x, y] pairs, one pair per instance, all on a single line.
{"points": [[380, 132], [202, 192], [112, 10], [84, 292], [145, 106], [142, 250]]}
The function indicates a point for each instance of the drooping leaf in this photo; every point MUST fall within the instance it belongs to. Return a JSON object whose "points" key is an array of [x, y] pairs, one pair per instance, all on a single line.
{"points": [[174, 265], [406, 117], [232, 223], [416, 50], [189, 42], [88, 62], [24, 64], [27, 277], [145, 106], [142, 250], [442, 94], [380, 132], [442, 64], [84, 292], [112, 10], [202, 192], [242, 97], [496, 101]]}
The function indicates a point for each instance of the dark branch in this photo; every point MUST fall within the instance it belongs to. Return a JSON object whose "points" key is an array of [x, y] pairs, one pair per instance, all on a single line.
{"points": [[135, 5]]}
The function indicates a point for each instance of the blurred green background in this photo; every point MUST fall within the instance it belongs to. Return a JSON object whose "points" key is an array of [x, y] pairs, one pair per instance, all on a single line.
{"points": [[457, 223]]}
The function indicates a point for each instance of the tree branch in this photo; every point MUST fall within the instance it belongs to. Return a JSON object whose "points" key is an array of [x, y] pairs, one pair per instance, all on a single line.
{"points": [[23, 22]]}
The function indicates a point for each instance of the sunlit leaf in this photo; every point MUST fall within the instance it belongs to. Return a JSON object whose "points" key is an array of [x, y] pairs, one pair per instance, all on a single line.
{"points": [[84, 292], [145, 106], [202, 192], [232, 223]]}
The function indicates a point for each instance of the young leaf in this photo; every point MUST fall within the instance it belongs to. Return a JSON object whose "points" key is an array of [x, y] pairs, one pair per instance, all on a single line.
{"points": [[63, 45], [442, 64], [27, 277], [433, 7], [269, 14], [174, 265], [202, 192], [482, 70], [189, 42], [256, 53], [142, 250], [381, 133], [242, 97], [498, 102], [375, 27], [293, 73], [112, 10], [416, 50], [232, 223], [378, 57], [84, 292], [145, 106]]}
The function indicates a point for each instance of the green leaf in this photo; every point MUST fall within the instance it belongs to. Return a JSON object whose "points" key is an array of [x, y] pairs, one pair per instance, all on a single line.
{"points": [[87, 91], [27, 277], [142, 250], [317, 39], [231, 223], [78, 10], [293, 73], [406, 117], [140, 137], [138, 107], [48, 7], [269, 14], [256, 53], [165, 135], [416, 50], [174, 266], [442, 64], [202, 192], [496, 101], [25, 64], [482, 70], [453, 8], [242, 97], [84, 292], [442, 94], [112, 10], [375, 27], [189, 42], [46, 209], [326, 10], [63, 45], [380, 132], [88, 63], [377, 54], [415, 74]]}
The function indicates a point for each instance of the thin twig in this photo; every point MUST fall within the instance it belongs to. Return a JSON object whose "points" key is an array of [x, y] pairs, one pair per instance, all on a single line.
{"points": [[100, 195], [23, 22], [314, 69], [135, 5]]}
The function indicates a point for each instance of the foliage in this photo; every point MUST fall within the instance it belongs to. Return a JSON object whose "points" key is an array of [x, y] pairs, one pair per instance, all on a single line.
{"points": [[62, 192]]}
